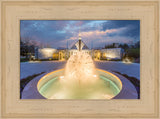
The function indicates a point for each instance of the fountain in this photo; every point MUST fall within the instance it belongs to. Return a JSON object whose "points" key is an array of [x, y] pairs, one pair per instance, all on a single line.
{"points": [[79, 80]]}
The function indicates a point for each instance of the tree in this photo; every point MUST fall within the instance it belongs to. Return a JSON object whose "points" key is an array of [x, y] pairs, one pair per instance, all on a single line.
{"points": [[124, 46], [137, 44], [27, 47], [109, 46]]}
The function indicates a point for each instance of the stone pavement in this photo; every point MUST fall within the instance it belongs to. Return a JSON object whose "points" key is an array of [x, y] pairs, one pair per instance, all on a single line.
{"points": [[132, 69]]}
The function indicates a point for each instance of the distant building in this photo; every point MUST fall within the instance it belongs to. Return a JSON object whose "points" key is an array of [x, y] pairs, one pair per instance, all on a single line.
{"points": [[75, 48], [96, 55], [64, 54], [46, 53], [112, 53]]}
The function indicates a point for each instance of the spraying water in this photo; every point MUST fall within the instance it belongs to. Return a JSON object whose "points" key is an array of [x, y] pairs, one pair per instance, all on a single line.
{"points": [[80, 69], [80, 80]]}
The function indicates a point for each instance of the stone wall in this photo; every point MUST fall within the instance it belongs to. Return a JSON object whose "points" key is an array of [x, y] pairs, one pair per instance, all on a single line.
{"points": [[46, 53], [112, 53]]}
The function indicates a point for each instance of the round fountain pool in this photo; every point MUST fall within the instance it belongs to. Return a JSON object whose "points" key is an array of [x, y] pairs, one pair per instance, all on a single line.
{"points": [[105, 85]]}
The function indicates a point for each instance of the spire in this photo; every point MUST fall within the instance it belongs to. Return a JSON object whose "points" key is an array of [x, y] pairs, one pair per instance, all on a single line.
{"points": [[80, 35]]}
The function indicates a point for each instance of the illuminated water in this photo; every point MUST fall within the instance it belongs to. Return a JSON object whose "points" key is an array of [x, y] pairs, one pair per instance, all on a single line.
{"points": [[79, 80]]}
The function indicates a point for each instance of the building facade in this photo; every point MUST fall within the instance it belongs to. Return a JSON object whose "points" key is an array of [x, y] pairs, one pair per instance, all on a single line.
{"points": [[96, 54], [45, 53], [112, 53]]}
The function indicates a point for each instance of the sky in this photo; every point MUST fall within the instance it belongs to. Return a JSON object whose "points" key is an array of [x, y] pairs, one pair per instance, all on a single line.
{"points": [[95, 33]]}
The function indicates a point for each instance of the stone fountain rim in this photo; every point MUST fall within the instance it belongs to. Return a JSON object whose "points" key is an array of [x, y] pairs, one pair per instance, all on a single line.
{"points": [[52, 72], [32, 87]]}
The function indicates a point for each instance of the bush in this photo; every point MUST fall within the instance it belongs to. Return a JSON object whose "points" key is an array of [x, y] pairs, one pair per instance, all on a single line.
{"points": [[134, 53]]}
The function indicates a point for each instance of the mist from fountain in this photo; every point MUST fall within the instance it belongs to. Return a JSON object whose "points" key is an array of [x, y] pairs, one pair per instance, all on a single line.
{"points": [[80, 79], [80, 69]]}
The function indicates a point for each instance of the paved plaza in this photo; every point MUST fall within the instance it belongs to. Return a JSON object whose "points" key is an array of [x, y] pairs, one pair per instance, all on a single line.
{"points": [[31, 68], [132, 69]]}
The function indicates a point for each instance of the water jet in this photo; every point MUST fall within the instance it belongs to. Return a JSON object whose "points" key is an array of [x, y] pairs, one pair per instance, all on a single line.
{"points": [[79, 80]]}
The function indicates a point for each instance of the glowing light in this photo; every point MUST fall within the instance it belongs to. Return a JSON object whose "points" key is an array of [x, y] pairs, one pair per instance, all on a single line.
{"points": [[79, 82], [70, 89], [126, 61], [61, 77], [80, 68], [94, 75], [46, 53], [33, 61], [107, 96]]}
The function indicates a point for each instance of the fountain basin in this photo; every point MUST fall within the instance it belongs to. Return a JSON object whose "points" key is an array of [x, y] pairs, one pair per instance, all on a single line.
{"points": [[107, 86]]}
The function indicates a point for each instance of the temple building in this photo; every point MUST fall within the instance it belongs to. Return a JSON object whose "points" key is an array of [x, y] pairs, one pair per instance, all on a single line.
{"points": [[79, 46], [64, 54]]}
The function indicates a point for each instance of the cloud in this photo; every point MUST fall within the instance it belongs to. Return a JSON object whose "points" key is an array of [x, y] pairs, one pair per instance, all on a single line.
{"points": [[57, 32], [132, 27]]}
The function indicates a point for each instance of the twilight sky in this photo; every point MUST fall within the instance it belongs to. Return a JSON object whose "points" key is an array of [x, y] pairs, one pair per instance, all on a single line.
{"points": [[95, 33]]}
